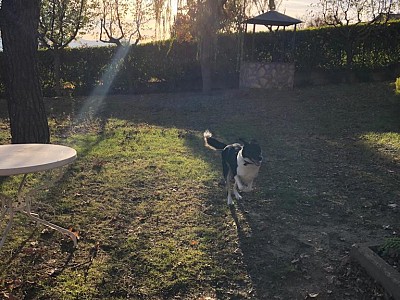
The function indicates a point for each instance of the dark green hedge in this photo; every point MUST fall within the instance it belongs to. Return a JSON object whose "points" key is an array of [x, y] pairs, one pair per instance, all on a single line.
{"points": [[170, 66], [155, 67], [144, 68], [324, 48]]}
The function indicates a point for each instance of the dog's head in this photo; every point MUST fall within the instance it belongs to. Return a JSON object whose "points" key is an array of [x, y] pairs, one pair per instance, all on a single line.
{"points": [[252, 153]]}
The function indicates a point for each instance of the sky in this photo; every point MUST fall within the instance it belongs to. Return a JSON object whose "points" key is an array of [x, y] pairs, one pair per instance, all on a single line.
{"points": [[296, 8]]}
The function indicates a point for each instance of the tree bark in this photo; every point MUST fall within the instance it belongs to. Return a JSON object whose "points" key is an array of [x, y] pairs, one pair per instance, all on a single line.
{"points": [[57, 70], [19, 24], [211, 12], [206, 62]]}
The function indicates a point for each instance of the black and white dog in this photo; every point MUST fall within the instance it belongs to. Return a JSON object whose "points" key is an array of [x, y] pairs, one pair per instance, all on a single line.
{"points": [[240, 163]]}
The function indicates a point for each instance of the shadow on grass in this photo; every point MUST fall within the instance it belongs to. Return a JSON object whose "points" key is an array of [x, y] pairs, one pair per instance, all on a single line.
{"points": [[321, 189]]}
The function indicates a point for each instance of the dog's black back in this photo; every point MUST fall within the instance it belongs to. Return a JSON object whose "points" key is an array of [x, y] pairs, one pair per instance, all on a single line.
{"points": [[229, 160]]}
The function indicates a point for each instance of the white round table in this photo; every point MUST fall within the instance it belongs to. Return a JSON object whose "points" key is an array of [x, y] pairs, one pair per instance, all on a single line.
{"points": [[28, 158], [18, 159]]}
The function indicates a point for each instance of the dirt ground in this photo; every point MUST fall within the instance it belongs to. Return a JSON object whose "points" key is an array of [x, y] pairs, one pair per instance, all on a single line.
{"points": [[328, 182]]}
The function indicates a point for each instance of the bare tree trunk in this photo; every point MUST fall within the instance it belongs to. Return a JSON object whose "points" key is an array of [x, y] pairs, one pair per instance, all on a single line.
{"points": [[209, 24], [19, 23], [206, 62], [57, 70]]}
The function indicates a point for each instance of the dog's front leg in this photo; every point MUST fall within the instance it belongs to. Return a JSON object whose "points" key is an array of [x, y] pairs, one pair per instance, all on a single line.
{"points": [[248, 188], [235, 191], [239, 183]]}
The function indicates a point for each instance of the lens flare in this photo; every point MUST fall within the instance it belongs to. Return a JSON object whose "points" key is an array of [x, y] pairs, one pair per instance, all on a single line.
{"points": [[96, 99]]}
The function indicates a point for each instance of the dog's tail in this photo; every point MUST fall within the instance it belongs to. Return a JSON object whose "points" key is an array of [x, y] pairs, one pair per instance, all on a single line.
{"points": [[212, 143]]}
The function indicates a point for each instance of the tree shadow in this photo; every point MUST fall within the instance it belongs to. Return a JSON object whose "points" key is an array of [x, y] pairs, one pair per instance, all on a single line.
{"points": [[320, 190]]}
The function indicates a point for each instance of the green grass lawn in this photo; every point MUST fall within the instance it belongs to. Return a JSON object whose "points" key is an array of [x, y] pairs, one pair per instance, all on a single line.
{"points": [[152, 220]]}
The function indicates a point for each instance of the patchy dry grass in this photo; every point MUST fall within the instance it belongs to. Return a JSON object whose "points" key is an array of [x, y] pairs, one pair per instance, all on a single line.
{"points": [[152, 219]]}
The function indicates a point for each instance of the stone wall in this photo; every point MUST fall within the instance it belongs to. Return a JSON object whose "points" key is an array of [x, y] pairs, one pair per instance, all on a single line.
{"points": [[266, 75]]}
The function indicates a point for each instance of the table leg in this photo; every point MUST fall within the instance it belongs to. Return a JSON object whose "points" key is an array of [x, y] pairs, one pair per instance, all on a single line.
{"points": [[52, 226], [7, 207], [10, 221], [4, 205], [27, 211]]}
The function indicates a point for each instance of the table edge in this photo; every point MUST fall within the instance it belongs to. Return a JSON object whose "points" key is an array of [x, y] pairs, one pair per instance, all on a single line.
{"points": [[44, 167]]}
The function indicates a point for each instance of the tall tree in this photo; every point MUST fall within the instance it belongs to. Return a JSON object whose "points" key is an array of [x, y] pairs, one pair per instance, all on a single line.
{"points": [[263, 6], [210, 15], [204, 19], [60, 23], [187, 21], [121, 24], [182, 28], [19, 23], [162, 10], [122, 21]]}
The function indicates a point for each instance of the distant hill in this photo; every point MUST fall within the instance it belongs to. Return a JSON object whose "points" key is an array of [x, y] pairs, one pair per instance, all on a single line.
{"points": [[78, 43], [86, 43]]}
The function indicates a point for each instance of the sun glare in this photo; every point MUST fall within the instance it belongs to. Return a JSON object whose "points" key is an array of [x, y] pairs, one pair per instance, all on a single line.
{"points": [[97, 96]]}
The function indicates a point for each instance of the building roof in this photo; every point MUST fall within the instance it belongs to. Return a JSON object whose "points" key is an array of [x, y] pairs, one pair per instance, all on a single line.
{"points": [[273, 18]]}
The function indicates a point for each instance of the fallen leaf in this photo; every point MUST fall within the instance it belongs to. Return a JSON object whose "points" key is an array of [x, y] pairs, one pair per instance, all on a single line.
{"points": [[313, 295], [75, 232], [296, 260], [194, 243]]}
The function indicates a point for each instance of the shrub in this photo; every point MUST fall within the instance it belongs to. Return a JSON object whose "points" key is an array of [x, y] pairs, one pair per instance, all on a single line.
{"points": [[397, 83]]}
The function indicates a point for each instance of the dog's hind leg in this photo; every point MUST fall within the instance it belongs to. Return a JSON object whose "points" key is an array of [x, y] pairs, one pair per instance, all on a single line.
{"points": [[235, 191], [227, 172], [229, 192]]}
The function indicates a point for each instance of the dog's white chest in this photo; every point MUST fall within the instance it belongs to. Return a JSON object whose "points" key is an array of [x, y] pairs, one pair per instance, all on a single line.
{"points": [[247, 172]]}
